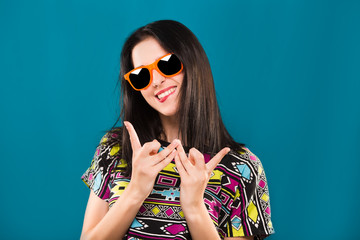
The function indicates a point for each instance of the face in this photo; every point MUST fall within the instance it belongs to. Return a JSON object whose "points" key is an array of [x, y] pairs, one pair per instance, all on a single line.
{"points": [[163, 93]]}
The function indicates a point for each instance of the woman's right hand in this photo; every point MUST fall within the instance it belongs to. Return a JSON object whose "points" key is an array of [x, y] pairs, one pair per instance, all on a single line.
{"points": [[147, 162]]}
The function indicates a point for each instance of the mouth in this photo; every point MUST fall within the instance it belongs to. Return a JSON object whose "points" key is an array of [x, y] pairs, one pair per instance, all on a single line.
{"points": [[165, 93]]}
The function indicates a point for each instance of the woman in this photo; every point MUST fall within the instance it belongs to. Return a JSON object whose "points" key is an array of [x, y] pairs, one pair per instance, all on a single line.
{"points": [[145, 181]]}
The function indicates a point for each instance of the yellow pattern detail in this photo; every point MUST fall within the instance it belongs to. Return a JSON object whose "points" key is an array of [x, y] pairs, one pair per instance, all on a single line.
{"points": [[119, 188], [235, 232], [169, 174], [155, 210], [122, 163], [252, 211], [229, 193], [237, 194], [260, 170], [238, 233], [170, 167], [92, 164], [85, 182], [265, 197], [114, 149], [270, 224], [167, 204], [217, 175], [242, 151], [181, 214], [103, 140]]}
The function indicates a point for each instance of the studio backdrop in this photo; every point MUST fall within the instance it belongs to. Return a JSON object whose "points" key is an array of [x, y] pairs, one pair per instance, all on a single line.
{"points": [[287, 81]]}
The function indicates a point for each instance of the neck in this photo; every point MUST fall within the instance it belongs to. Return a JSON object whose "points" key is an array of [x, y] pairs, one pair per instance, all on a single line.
{"points": [[171, 127]]}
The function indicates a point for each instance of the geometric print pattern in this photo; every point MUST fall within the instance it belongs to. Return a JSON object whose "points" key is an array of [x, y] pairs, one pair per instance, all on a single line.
{"points": [[236, 197]]}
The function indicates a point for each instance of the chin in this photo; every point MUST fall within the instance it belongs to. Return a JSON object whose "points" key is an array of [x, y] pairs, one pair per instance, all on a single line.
{"points": [[169, 113]]}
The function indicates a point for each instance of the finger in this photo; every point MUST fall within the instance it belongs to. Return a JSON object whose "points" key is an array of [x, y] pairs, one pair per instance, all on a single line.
{"points": [[180, 166], [154, 149], [150, 148], [167, 160], [211, 165], [197, 157], [183, 158], [134, 139], [168, 150]]}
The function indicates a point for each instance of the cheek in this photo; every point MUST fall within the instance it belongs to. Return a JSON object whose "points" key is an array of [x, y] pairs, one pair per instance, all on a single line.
{"points": [[145, 94], [148, 97], [180, 78]]}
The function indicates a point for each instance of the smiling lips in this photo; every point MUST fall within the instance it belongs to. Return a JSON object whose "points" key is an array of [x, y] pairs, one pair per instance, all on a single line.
{"points": [[164, 94]]}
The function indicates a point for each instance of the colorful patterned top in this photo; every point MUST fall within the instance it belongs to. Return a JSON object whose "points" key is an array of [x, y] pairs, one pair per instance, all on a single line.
{"points": [[237, 195]]}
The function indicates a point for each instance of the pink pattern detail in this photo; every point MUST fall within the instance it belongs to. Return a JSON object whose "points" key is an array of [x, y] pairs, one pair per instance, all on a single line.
{"points": [[214, 189], [224, 198], [142, 209], [262, 183], [206, 157], [169, 212], [252, 157], [232, 185], [175, 228], [211, 205], [168, 181], [267, 210], [91, 176], [229, 206]]}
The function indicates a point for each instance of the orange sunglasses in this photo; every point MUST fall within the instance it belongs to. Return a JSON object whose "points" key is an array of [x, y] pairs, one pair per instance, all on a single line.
{"points": [[141, 77]]}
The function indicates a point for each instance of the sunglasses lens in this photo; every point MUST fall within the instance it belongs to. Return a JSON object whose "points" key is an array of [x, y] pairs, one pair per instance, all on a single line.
{"points": [[140, 78], [169, 65]]}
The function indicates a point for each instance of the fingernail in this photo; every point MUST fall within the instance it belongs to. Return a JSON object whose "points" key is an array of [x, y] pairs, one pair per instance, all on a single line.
{"points": [[126, 124]]}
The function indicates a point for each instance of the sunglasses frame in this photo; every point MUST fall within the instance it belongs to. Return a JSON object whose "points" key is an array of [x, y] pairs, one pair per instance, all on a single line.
{"points": [[151, 67]]}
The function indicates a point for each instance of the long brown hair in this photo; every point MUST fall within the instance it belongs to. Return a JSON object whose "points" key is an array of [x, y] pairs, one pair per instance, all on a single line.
{"points": [[201, 125]]}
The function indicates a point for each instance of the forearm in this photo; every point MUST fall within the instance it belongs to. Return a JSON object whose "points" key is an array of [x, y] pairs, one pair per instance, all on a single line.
{"points": [[118, 219], [200, 224]]}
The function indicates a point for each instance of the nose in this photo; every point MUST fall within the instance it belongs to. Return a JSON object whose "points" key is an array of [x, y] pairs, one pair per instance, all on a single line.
{"points": [[157, 78]]}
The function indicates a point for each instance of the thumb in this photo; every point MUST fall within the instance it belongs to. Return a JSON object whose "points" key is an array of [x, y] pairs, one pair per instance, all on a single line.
{"points": [[211, 165], [134, 139]]}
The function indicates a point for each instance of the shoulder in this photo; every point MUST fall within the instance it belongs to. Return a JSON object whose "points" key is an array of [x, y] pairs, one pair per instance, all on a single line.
{"points": [[98, 175], [243, 180], [242, 164], [111, 141], [112, 136], [243, 155], [108, 148]]}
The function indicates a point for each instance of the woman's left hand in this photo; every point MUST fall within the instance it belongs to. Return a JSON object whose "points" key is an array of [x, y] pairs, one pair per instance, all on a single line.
{"points": [[195, 175]]}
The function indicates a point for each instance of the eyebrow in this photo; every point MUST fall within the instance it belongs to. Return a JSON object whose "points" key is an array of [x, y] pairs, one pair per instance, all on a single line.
{"points": [[152, 62]]}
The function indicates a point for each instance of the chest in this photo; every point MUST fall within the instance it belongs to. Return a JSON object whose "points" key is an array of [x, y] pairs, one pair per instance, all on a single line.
{"points": [[161, 213]]}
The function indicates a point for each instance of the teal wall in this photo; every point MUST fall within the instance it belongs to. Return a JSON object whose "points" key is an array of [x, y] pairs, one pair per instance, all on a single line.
{"points": [[287, 79]]}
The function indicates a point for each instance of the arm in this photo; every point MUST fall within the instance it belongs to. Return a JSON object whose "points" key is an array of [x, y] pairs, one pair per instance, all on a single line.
{"points": [[239, 238], [101, 223], [202, 227], [200, 223], [195, 175]]}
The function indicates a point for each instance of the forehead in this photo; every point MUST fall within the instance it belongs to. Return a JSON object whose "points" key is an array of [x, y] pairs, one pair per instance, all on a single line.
{"points": [[146, 52]]}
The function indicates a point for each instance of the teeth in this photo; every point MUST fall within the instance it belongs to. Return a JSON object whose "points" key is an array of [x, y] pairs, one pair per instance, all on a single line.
{"points": [[164, 94]]}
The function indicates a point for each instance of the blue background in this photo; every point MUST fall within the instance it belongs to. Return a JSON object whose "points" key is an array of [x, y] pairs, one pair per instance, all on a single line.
{"points": [[287, 79]]}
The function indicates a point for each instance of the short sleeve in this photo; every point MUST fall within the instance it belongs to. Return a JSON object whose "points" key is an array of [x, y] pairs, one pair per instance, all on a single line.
{"points": [[98, 176], [248, 208]]}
